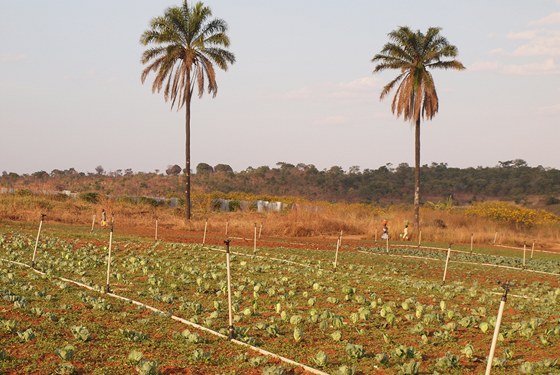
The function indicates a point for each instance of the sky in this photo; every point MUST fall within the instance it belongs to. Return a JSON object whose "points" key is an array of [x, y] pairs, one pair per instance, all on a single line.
{"points": [[302, 89]]}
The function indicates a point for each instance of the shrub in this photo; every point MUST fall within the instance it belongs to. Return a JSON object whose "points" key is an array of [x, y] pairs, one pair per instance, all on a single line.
{"points": [[91, 197], [512, 214]]}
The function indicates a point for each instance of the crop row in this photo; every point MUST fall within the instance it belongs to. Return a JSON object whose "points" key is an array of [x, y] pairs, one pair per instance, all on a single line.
{"points": [[373, 313]]}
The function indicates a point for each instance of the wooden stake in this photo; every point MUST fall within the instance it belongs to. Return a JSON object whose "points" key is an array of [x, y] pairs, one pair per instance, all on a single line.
{"points": [[255, 240], [338, 244], [260, 231], [92, 223], [524, 252], [204, 236], [387, 244], [37, 240], [496, 330], [419, 238], [495, 238], [108, 287], [532, 249], [231, 331], [227, 225], [447, 262], [472, 241], [156, 229]]}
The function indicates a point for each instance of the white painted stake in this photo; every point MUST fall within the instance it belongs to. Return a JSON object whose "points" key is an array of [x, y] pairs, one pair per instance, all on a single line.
{"points": [[37, 240], [532, 249], [472, 241], [447, 262], [497, 330], [495, 238], [387, 244], [92, 223], [419, 238], [204, 236], [108, 288], [338, 243], [260, 231], [156, 229], [255, 240], [231, 331], [524, 252]]}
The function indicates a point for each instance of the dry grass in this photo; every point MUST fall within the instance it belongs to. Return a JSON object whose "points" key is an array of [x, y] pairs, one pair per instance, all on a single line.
{"points": [[307, 220]]}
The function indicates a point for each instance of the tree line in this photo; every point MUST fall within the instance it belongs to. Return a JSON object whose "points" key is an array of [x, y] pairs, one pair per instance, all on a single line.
{"points": [[511, 180]]}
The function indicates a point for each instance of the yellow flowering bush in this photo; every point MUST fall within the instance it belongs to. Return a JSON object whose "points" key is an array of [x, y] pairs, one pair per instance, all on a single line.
{"points": [[513, 214]]}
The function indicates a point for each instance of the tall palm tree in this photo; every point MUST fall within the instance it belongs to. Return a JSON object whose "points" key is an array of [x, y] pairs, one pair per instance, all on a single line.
{"points": [[185, 44], [413, 53]]}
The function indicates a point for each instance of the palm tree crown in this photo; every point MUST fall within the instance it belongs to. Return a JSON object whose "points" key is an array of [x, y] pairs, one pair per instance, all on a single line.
{"points": [[187, 45], [413, 53]]}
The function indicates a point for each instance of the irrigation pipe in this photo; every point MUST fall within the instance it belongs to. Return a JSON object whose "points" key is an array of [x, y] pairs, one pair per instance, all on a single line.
{"points": [[520, 248], [463, 262], [517, 296], [267, 258], [184, 321]]}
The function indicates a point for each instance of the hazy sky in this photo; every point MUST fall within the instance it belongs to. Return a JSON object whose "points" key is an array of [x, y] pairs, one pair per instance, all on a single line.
{"points": [[301, 91]]}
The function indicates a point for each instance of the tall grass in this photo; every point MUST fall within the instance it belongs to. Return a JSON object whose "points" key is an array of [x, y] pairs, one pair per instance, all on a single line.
{"points": [[305, 219]]}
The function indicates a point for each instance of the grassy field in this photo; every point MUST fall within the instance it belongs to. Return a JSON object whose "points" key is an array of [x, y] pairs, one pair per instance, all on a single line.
{"points": [[378, 313]]}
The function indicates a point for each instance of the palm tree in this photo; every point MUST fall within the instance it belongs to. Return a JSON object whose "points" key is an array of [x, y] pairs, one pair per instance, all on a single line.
{"points": [[413, 53], [185, 44]]}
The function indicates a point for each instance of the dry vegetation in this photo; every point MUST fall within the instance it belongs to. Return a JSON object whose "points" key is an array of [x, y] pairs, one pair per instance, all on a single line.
{"points": [[307, 219]]}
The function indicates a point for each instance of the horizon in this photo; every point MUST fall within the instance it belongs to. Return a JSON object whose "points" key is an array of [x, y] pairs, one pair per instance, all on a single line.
{"points": [[390, 166]]}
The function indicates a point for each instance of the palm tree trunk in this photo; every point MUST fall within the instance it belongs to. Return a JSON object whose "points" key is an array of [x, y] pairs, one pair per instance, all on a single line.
{"points": [[417, 175], [188, 155]]}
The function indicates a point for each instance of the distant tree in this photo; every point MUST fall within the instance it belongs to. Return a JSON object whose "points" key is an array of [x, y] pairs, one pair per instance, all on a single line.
{"points": [[224, 168], [40, 175], [354, 169], [128, 172], [285, 166], [99, 169], [173, 170], [203, 168], [412, 54], [186, 44]]}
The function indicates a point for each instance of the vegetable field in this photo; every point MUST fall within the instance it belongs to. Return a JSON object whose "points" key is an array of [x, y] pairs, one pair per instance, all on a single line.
{"points": [[380, 312]]}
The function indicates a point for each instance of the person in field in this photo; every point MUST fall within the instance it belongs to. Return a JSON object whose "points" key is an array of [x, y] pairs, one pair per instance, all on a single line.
{"points": [[385, 233], [404, 235], [103, 218]]}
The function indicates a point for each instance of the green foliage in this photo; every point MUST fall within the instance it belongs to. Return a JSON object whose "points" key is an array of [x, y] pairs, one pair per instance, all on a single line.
{"points": [[133, 335], [66, 369], [355, 351], [80, 333], [26, 335], [147, 367], [135, 356], [447, 362], [298, 334], [320, 359], [90, 197], [201, 356], [66, 353], [410, 368]]}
